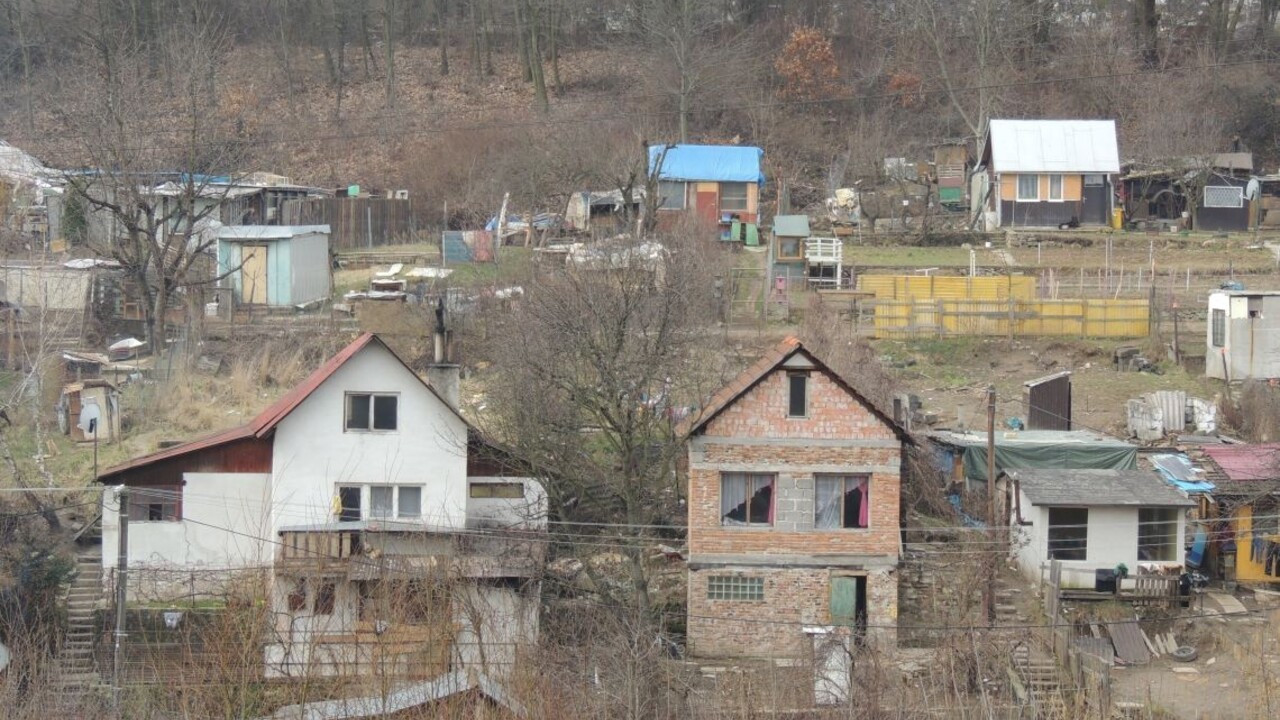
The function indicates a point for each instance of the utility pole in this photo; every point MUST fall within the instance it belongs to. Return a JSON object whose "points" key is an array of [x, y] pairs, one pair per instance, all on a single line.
{"points": [[990, 599], [122, 576]]}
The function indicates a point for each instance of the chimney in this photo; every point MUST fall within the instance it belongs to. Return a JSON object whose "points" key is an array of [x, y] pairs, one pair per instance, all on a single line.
{"points": [[445, 377]]}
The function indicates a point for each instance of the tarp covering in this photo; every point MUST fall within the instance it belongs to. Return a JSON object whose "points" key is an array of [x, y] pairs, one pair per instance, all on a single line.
{"points": [[712, 163], [1177, 470], [1042, 450]]}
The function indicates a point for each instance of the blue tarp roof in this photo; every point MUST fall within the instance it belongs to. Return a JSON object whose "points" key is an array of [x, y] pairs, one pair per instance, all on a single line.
{"points": [[1179, 472], [712, 163]]}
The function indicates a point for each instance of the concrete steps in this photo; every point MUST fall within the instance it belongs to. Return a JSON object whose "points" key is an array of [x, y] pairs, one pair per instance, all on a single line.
{"points": [[77, 673]]}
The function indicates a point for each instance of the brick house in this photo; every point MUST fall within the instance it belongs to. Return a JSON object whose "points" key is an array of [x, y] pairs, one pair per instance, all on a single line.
{"points": [[794, 528]]}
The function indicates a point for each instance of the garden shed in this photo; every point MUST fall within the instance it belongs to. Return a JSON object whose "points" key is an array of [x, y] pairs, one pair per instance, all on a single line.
{"points": [[275, 265]]}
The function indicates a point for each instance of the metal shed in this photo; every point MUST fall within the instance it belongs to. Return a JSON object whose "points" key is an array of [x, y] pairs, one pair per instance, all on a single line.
{"points": [[275, 264]]}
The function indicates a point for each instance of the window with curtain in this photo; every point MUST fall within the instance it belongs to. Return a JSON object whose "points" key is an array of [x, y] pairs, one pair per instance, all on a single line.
{"points": [[1055, 187], [1028, 187], [841, 501], [746, 499]]}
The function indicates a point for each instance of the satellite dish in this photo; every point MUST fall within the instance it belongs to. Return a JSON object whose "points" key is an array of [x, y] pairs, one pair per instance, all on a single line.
{"points": [[90, 414]]}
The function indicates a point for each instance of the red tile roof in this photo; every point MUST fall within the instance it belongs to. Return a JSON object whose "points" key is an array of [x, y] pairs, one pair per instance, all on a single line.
{"points": [[267, 420], [776, 356]]}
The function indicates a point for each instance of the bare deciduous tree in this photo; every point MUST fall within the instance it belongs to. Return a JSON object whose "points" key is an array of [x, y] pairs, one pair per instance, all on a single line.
{"points": [[152, 196]]}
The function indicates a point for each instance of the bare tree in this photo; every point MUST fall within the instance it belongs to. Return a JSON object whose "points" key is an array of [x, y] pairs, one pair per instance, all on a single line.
{"points": [[596, 362], [694, 57], [153, 196]]}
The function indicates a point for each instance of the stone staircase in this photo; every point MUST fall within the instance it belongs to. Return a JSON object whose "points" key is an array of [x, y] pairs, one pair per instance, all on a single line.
{"points": [[78, 673], [1037, 682]]}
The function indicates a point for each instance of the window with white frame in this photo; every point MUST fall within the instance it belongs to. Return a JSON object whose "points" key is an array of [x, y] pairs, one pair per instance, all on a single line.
{"points": [[1028, 187], [395, 501], [1223, 196], [372, 412], [1219, 327], [1055, 187], [735, 587]]}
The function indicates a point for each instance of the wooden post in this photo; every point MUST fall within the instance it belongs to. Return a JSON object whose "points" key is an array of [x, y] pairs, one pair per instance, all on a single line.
{"points": [[991, 504]]}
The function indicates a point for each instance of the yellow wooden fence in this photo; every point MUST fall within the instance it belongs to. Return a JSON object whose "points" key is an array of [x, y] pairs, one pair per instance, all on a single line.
{"points": [[948, 287], [901, 319]]}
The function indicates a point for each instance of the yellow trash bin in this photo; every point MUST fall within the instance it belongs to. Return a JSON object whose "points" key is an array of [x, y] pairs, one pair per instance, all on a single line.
{"points": [[1117, 218]]}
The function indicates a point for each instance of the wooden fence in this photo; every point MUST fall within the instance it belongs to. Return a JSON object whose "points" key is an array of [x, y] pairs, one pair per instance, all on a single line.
{"points": [[949, 287], [905, 319], [359, 222]]}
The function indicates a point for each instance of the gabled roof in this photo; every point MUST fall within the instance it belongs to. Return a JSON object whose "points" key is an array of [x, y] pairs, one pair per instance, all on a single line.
{"points": [[1052, 146], [1093, 488], [267, 420], [711, 163], [776, 357]]}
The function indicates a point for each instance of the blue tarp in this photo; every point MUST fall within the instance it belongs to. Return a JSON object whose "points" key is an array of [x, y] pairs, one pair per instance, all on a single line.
{"points": [[710, 163], [1178, 471]]}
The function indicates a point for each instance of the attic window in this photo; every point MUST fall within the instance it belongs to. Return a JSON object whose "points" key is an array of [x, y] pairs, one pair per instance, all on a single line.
{"points": [[797, 394], [371, 412]]}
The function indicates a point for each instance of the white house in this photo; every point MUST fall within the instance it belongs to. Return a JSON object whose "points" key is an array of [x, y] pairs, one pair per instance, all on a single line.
{"points": [[1094, 520], [377, 509]]}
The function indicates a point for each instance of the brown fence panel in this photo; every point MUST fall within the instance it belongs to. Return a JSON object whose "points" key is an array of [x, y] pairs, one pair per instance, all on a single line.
{"points": [[357, 223]]}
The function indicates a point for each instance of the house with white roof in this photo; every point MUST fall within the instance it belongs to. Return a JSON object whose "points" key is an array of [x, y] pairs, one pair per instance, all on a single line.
{"points": [[1046, 173]]}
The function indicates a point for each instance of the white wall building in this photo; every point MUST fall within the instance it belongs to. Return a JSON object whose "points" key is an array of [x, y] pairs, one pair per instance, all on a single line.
{"points": [[1094, 520], [360, 484]]}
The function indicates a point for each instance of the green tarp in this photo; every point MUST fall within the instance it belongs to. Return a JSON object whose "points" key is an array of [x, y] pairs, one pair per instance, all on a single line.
{"points": [[1050, 456]]}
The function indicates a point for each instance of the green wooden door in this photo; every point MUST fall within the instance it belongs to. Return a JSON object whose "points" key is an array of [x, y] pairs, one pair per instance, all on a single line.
{"points": [[844, 600]]}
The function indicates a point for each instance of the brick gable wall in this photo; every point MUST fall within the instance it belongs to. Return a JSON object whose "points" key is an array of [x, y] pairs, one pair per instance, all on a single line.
{"points": [[754, 434]]}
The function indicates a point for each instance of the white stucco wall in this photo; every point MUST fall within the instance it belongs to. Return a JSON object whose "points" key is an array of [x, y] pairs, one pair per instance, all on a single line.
{"points": [[1112, 539], [224, 514], [313, 454]]}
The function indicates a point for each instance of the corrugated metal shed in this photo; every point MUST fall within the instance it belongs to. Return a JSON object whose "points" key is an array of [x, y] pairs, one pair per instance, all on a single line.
{"points": [[1091, 488], [1053, 146], [710, 163]]}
